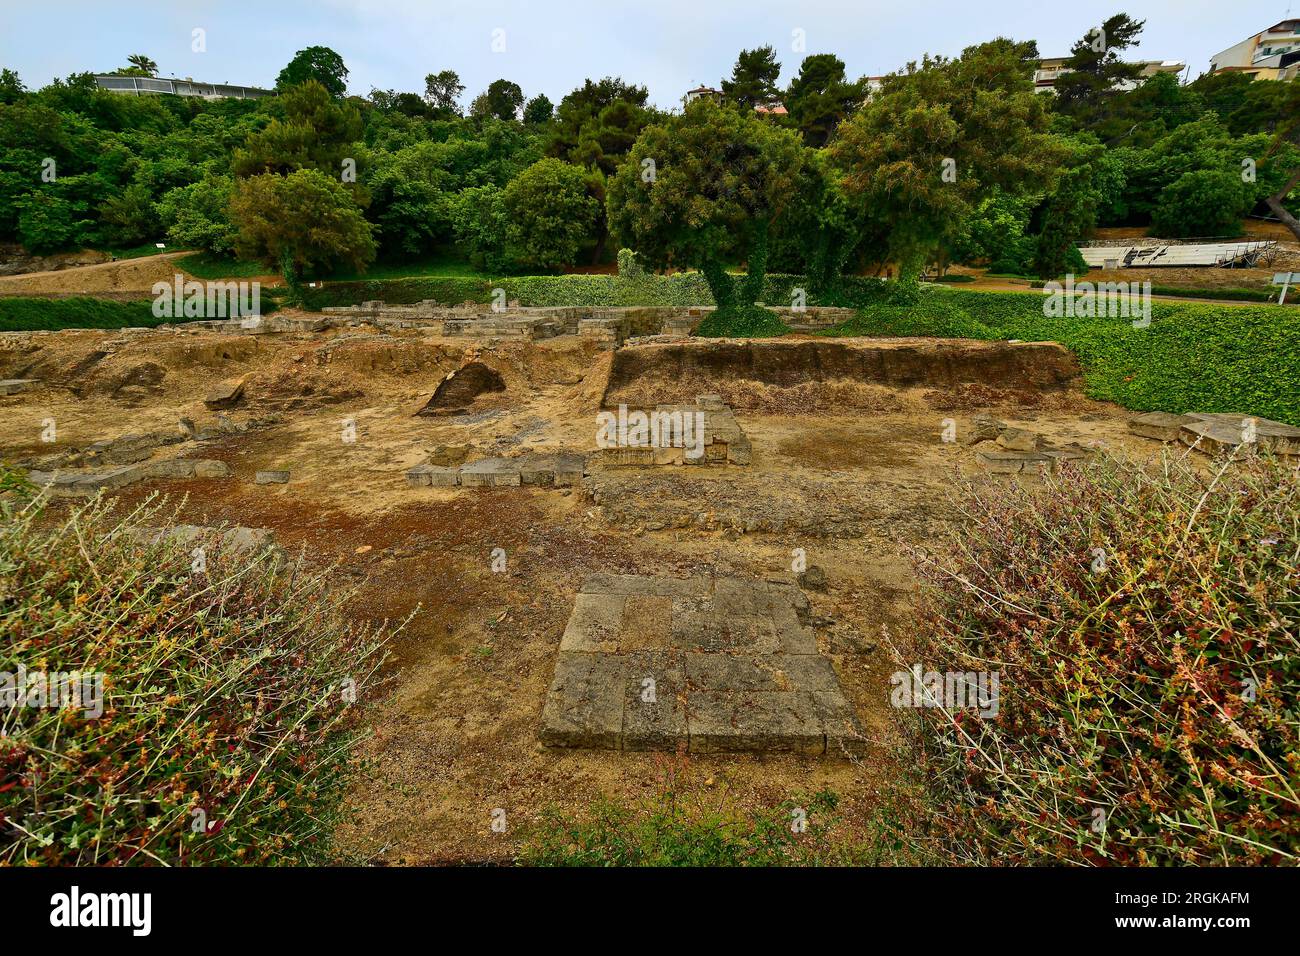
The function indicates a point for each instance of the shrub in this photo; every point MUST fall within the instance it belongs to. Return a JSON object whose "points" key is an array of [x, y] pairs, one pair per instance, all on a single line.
{"points": [[1145, 623], [741, 322], [635, 289], [226, 730]]}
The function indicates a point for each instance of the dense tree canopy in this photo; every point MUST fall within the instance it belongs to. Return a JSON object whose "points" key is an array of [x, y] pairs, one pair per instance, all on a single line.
{"points": [[950, 161]]}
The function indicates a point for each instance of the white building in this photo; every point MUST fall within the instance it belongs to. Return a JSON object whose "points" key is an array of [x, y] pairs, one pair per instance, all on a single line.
{"points": [[148, 85], [1052, 67], [1273, 54]]}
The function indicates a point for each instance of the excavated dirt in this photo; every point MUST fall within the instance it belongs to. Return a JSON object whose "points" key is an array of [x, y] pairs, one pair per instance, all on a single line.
{"points": [[849, 470]]}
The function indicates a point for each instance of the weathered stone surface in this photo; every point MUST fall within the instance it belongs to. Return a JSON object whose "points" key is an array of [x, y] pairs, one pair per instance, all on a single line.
{"points": [[175, 468], [225, 394], [584, 707], [490, 473], [549, 471], [595, 623], [643, 584], [271, 478], [723, 721], [460, 387], [1222, 432], [1162, 426], [1012, 462], [654, 703], [1019, 439], [984, 428], [717, 665], [16, 386], [211, 468]]}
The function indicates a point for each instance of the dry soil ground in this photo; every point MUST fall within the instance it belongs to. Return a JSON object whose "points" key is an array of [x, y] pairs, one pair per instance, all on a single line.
{"points": [[854, 471]]}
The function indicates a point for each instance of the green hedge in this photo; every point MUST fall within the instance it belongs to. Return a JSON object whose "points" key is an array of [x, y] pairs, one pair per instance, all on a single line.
{"points": [[39, 315], [1193, 357], [1238, 295], [680, 289], [27, 315]]}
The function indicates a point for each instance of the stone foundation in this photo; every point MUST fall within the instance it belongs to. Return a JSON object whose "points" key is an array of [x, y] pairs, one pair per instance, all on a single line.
{"points": [[656, 663]]}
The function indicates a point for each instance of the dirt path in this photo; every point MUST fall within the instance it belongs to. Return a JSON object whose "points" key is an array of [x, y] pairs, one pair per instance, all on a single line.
{"points": [[125, 275]]}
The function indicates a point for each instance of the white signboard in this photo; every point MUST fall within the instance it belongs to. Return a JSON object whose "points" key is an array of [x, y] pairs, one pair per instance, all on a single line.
{"points": [[1285, 280]]}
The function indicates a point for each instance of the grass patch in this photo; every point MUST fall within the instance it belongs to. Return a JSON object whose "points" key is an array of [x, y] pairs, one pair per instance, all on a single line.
{"points": [[693, 826], [204, 265], [1193, 357], [441, 266], [137, 252]]}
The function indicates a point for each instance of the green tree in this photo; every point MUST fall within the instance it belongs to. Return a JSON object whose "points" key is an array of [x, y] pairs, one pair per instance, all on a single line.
{"points": [[442, 91], [550, 214], [480, 222], [596, 124], [538, 110], [1095, 68], [753, 79], [304, 222], [48, 223], [1069, 213], [140, 65], [502, 99], [704, 189], [318, 63], [821, 96], [922, 154], [1204, 203], [11, 87], [317, 132], [128, 218]]}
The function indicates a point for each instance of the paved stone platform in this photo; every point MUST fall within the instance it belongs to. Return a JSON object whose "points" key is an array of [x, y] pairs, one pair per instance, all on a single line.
{"points": [[725, 664]]}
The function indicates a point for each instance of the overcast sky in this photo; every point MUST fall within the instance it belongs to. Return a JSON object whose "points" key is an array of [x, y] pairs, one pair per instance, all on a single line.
{"points": [[552, 45]]}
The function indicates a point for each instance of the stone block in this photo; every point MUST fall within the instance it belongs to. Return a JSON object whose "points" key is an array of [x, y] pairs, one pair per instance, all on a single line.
{"points": [[16, 386], [1019, 439], [418, 476], [271, 478], [844, 733], [210, 468], [722, 721], [646, 585], [490, 473], [654, 702], [1162, 426], [175, 468], [595, 623], [225, 394], [584, 706], [1220, 432], [740, 451], [1012, 462]]}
